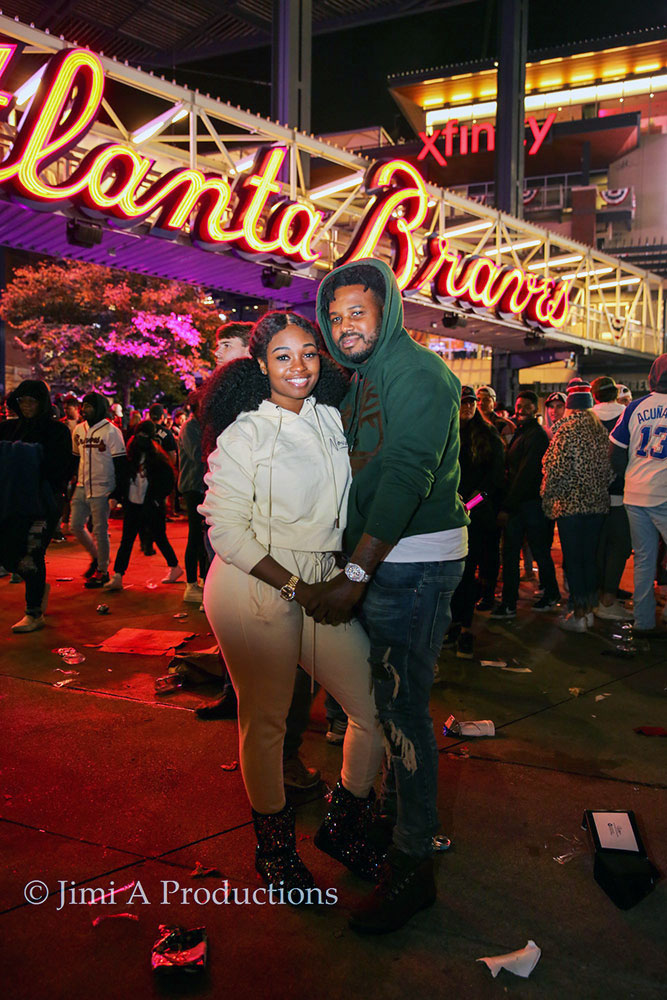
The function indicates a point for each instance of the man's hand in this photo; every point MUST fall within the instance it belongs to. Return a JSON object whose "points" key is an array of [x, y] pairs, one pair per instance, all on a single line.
{"points": [[332, 602]]}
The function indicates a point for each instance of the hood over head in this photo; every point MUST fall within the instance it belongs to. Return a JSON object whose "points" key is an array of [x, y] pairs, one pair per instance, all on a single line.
{"points": [[392, 313], [36, 389], [100, 405], [657, 377]]}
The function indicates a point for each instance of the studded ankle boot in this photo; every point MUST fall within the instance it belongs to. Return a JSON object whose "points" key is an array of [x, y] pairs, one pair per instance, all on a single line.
{"points": [[346, 833], [276, 858]]}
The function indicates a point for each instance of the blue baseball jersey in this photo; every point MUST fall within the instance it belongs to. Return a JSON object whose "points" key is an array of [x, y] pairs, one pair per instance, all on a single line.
{"points": [[642, 429]]}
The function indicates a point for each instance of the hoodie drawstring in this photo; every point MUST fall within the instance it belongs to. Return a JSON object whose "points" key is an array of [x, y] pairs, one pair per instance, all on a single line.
{"points": [[331, 469], [273, 448]]}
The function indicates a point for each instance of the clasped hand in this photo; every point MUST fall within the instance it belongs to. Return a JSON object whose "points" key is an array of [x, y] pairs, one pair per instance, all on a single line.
{"points": [[330, 603]]}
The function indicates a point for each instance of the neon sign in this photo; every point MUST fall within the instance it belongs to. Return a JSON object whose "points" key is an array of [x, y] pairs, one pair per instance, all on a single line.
{"points": [[111, 178], [398, 210], [446, 134], [251, 217]]}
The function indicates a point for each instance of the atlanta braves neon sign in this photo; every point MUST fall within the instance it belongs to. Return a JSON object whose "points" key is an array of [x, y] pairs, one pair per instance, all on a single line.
{"points": [[250, 217]]}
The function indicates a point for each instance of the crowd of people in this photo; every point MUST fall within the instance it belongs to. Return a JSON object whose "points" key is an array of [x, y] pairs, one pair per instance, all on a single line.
{"points": [[350, 508]]}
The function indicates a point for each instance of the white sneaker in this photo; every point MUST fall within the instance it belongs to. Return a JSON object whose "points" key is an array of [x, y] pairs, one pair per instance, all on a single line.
{"points": [[590, 619], [570, 623], [115, 583], [615, 612], [193, 594], [29, 624], [174, 574]]}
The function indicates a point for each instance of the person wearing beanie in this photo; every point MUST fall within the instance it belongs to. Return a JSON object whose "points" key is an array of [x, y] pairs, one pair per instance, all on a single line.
{"points": [[486, 405], [521, 512], [35, 464], [100, 448], [575, 493], [615, 544], [639, 450], [554, 410]]}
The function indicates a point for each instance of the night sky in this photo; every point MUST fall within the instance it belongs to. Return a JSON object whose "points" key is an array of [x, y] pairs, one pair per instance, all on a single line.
{"points": [[350, 68]]}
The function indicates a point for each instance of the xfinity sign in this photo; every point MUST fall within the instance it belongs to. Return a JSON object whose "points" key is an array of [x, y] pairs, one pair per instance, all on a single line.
{"points": [[468, 138]]}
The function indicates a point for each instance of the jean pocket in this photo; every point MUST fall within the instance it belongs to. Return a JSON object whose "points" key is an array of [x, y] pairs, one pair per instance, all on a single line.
{"points": [[388, 612]]}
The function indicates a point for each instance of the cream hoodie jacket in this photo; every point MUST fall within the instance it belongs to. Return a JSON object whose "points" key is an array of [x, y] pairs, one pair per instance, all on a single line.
{"points": [[278, 479]]}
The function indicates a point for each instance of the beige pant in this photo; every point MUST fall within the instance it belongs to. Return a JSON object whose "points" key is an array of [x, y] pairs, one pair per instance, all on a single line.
{"points": [[262, 638]]}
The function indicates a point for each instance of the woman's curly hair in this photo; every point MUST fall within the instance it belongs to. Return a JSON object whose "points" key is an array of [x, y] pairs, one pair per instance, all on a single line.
{"points": [[240, 387]]}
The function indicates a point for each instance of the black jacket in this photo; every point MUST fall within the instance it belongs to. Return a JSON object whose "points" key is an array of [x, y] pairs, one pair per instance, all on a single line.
{"points": [[58, 465], [482, 477], [523, 467]]}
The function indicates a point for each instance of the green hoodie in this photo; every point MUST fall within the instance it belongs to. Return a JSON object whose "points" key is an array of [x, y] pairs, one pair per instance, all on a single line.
{"points": [[401, 420]]}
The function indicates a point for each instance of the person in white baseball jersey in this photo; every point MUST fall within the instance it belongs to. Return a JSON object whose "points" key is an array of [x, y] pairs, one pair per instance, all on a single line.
{"points": [[639, 450], [100, 448]]}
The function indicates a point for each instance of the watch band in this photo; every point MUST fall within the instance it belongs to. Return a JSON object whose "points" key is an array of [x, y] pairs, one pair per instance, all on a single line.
{"points": [[288, 590]]}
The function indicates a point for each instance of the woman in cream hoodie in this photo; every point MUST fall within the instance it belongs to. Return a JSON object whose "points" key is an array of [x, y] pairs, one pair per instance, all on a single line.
{"points": [[276, 503]]}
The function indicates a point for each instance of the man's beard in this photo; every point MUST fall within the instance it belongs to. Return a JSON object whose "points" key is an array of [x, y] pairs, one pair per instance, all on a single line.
{"points": [[364, 353]]}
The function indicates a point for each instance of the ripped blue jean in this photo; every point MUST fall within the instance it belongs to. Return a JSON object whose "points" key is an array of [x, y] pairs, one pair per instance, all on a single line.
{"points": [[406, 615]]}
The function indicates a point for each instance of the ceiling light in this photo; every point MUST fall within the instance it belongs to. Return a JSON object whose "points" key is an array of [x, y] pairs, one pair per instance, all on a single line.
{"points": [[471, 227], [556, 261], [333, 187], [28, 89], [159, 123], [521, 245]]}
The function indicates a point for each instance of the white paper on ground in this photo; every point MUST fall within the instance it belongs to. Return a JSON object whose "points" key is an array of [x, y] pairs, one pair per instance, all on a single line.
{"points": [[494, 663], [482, 728], [521, 962], [615, 831], [517, 670]]}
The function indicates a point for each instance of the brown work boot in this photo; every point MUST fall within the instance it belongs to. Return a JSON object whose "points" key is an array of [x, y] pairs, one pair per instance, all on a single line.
{"points": [[297, 776], [407, 885]]}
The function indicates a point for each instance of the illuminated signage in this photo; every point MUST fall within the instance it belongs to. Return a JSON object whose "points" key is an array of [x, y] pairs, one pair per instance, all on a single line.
{"points": [[468, 140], [249, 217], [399, 206]]}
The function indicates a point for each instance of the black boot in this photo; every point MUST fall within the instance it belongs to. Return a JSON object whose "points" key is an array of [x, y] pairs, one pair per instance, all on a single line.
{"points": [[345, 833], [406, 886], [276, 858]]}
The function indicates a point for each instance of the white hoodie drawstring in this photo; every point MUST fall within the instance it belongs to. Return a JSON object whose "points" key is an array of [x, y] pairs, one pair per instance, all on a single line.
{"points": [[273, 448], [331, 466]]}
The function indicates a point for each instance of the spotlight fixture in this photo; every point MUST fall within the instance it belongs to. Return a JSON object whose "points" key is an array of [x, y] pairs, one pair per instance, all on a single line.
{"points": [[451, 319], [274, 278], [83, 234]]}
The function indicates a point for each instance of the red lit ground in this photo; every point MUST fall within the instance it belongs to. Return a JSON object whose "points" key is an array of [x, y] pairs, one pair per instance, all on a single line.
{"points": [[103, 782]]}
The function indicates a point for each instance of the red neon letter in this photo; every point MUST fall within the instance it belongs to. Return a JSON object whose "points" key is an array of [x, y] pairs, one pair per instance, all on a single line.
{"points": [[429, 147], [6, 53], [383, 214], [539, 134], [490, 137], [44, 134]]}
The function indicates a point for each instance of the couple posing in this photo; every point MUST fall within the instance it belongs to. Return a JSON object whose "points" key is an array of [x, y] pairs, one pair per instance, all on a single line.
{"points": [[290, 486]]}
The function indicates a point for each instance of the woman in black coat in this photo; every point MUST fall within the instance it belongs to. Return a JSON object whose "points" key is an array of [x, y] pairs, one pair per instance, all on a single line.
{"points": [[151, 480], [36, 463], [482, 462]]}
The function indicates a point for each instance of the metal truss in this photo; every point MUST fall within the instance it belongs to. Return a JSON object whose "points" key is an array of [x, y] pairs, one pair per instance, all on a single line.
{"points": [[615, 306]]}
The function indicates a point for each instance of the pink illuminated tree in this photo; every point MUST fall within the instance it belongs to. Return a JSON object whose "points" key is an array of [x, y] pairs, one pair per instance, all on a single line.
{"points": [[87, 326]]}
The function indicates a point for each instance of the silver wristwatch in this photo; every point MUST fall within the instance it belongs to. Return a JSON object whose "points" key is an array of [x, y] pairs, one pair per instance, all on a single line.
{"points": [[356, 573]]}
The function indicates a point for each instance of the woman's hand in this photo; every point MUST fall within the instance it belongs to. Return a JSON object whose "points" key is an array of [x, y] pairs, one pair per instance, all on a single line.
{"points": [[333, 602]]}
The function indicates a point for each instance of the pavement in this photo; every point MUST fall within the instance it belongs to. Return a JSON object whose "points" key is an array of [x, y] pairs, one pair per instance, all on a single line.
{"points": [[107, 785]]}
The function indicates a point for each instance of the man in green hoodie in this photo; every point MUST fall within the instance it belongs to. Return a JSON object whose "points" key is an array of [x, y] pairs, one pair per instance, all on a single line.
{"points": [[407, 540]]}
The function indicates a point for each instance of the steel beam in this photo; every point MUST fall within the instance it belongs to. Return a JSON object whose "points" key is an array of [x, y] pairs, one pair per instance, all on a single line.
{"points": [[513, 40]]}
